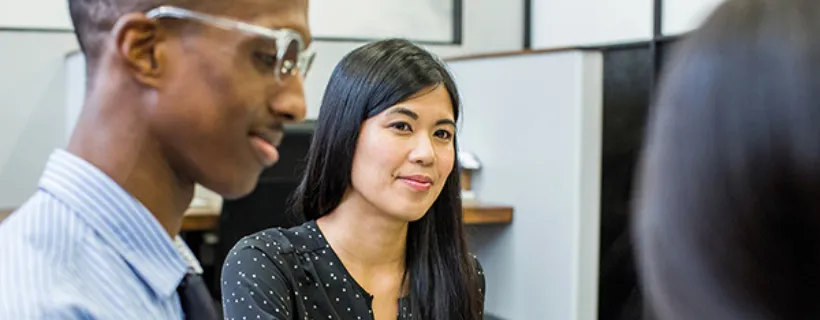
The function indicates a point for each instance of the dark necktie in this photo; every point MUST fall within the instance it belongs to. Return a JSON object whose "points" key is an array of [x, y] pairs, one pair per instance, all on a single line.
{"points": [[193, 293], [195, 299]]}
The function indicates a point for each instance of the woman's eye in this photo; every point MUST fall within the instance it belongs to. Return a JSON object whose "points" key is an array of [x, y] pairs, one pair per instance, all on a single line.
{"points": [[269, 60], [444, 134], [401, 126]]}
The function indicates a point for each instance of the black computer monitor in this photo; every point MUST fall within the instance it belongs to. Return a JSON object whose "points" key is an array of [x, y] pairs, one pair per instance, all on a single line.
{"points": [[292, 153], [266, 206]]}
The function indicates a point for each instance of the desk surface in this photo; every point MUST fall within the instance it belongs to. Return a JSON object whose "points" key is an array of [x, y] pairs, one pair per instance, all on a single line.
{"points": [[474, 214], [208, 219], [4, 213]]}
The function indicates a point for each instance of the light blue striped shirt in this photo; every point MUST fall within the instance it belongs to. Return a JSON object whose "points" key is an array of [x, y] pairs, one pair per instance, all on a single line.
{"points": [[83, 248]]}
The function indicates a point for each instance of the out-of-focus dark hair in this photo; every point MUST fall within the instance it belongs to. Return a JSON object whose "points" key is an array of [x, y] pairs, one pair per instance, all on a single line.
{"points": [[728, 209]]}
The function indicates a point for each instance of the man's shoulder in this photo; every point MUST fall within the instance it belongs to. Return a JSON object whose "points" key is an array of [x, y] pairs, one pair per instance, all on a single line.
{"points": [[38, 244], [35, 243], [51, 263], [42, 226]]}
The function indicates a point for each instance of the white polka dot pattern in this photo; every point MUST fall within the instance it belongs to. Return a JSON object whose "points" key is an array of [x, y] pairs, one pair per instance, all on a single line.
{"points": [[294, 274]]}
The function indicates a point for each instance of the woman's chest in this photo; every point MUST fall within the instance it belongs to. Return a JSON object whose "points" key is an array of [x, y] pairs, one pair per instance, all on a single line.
{"points": [[323, 302]]}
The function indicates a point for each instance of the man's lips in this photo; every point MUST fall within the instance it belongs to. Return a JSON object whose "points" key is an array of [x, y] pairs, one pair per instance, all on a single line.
{"points": [[265, 144], [272, 135]]}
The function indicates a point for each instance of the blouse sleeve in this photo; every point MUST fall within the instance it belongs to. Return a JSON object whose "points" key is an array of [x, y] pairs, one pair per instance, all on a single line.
{"points": [[482, 282], [253, 287]]}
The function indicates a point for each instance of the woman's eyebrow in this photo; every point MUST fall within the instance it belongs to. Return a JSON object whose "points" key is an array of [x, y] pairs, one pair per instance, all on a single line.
{"points": [[446, 121], [404, 111]]}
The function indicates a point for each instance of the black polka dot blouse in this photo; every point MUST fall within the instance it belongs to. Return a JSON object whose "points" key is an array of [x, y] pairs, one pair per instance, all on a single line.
{"points": [[288, 274]]}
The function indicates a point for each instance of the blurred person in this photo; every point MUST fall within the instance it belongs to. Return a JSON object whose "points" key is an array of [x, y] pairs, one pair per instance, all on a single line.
{"points": [[728, 212], [381, 193], [179, 92]]}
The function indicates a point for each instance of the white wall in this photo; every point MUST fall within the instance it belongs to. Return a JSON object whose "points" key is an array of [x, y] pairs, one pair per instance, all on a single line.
{"points": [[42, 14], [595, 22], [557, 24], [32, 108], [430, 20], [538, 136], [570, 23], [489, 26], [680, 16]]}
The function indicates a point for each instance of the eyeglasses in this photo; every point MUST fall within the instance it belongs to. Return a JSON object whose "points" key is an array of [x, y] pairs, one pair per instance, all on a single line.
{"points": [[291, 53]]}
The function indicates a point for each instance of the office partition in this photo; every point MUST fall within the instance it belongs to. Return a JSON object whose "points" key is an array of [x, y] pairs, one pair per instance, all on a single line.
{"points": [[427, 21], [573, 23], [32, 108], [534, 120], [34, 15]]}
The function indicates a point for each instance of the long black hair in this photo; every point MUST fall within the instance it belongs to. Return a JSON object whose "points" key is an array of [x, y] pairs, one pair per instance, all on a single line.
{"points": [[728, 214], [442, 275]]}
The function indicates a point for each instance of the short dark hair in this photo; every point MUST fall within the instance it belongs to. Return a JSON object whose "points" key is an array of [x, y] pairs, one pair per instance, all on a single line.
{"points": [[442, 275], [728, 208], [93, 19]]}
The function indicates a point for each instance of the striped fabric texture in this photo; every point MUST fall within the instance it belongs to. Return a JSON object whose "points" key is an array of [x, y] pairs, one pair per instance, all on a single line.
{"points": [[83, 248]]}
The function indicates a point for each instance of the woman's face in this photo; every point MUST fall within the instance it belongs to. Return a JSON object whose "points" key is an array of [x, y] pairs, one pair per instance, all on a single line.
{"points": [[404, 155]]}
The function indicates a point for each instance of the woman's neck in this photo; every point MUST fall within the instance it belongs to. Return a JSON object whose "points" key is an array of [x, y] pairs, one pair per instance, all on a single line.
{"points": [[362, 236]]}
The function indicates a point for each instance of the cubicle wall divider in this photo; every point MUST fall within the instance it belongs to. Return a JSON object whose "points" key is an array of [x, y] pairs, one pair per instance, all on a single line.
{"points": [[534, 120], [552, 277], [32, 108]]}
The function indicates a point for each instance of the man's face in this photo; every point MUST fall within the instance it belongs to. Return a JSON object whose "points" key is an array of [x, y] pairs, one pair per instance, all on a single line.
{"points": [[219, 108]]}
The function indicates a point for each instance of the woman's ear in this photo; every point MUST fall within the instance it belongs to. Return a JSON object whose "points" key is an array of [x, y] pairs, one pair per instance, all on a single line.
{"points": [[139, 44]]}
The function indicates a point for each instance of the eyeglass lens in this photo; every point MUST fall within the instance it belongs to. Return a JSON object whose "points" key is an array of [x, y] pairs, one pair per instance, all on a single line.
{"points": [[290, 59], [293, 60]]}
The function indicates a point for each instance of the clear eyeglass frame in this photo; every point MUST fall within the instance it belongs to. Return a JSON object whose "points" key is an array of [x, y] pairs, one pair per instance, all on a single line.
{"points": [[286, 64]]}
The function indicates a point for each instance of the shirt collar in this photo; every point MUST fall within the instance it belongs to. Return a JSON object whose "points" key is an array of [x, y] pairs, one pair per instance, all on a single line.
{"points": [[122, 221]]}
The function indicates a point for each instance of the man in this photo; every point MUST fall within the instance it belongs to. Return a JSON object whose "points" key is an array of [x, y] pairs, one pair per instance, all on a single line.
{"points": [[179, 92]]}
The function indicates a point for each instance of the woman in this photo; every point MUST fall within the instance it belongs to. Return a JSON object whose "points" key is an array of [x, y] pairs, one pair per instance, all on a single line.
{"points": [[728, 223], [381, 191]]}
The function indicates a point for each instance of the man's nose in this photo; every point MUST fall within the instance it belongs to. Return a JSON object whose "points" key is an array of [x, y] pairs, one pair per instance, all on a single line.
{"points": [[288, 103]]}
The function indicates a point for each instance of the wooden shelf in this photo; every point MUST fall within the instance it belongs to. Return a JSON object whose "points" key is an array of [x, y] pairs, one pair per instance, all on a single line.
{"points": [[207, 219], [504, 54], [200, 219], [477, 213], [474, 214]]}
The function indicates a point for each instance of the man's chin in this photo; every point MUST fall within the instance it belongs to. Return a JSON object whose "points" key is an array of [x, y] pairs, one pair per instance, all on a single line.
{"points": [[237, 189]]}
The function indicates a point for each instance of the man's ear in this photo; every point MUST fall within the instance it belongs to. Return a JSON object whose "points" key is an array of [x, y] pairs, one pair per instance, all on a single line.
{"points": [[138, 42]]}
